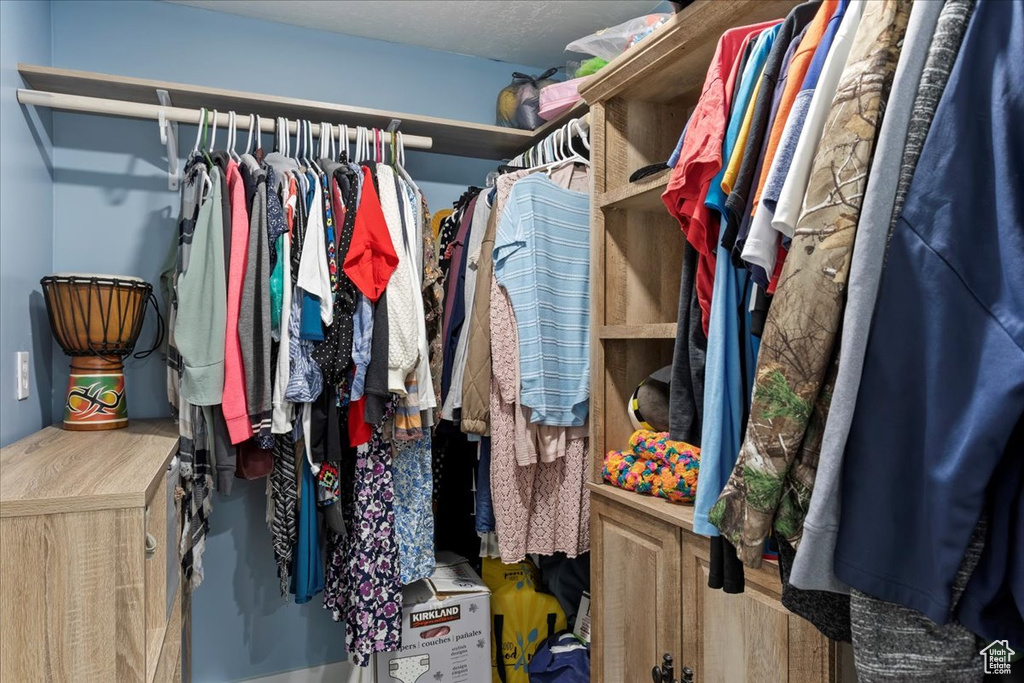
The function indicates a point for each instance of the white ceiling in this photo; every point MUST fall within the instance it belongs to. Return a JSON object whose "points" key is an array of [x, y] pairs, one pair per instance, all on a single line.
{"points": [[530, 32]]}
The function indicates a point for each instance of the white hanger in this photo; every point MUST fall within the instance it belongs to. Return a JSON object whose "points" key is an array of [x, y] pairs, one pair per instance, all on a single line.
{"points": [[233, 118], [401, 150], [199, 130], [213, 133], [567, 139], [310, 156], [362, 147], [248, 138], [584, 129], [343, 141], [230, 133]]}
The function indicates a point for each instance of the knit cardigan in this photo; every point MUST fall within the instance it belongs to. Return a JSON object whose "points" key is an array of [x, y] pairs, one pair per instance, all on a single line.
{"points": [[403, 292]]}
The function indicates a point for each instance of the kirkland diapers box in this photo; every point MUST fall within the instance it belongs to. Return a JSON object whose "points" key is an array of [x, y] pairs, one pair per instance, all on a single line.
{"points": [[446, 634]]}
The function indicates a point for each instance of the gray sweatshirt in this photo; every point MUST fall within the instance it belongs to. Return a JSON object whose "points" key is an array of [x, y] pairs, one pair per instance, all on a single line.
{"points": [[254, 313]]}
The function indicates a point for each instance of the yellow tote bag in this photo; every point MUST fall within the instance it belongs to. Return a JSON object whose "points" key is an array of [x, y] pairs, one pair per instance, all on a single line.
{"points": [[521, 618]]}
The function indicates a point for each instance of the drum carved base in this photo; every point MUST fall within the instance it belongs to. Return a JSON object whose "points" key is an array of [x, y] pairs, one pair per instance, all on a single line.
{"points": [[96, 399]]}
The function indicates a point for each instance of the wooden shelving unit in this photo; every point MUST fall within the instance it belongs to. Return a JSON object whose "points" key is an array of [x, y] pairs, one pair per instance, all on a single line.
{"points": [[659, 508], [649, 570], [644, 195], [651, 331], [460, 138]]}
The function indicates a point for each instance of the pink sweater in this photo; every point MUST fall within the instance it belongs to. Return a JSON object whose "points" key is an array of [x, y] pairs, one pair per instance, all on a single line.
{"points": [[236, 414]]}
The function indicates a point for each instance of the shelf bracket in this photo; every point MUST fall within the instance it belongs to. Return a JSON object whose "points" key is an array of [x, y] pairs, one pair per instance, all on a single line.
{"points": [[393, 126], [169, 138]]}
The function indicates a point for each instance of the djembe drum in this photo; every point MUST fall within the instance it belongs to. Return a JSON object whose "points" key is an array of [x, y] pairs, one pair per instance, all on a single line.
{"points": [[96, 319]]}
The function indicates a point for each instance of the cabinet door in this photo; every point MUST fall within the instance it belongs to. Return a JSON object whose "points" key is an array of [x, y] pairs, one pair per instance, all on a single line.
{"points": [[636, 605], [748, 636]]}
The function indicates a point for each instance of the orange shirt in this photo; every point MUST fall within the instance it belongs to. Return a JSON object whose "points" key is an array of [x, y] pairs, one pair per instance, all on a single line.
{"points": [[798, 66]]}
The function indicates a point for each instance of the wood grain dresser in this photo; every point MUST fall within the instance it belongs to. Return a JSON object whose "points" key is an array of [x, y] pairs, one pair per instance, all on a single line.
{"points": [[89, 587]]}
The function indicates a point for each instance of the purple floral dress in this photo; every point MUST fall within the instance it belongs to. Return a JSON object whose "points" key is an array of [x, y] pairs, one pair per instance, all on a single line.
{"points": [[362, 575]]}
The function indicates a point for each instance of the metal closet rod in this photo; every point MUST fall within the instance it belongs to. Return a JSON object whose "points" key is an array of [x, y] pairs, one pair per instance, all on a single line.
{"points": [[139, 110]]}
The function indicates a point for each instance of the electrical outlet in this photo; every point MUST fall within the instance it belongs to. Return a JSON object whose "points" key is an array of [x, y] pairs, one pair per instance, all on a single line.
{"points": [[22, 375]]}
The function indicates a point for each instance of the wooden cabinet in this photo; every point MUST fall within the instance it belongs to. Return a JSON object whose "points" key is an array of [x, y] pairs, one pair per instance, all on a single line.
{"points": [[636, 591], [748, 636], [649, 570], [88, 556]]}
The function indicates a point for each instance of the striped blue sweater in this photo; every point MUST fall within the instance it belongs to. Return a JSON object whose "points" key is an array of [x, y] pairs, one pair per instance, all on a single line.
{"points": [[542, 259]]}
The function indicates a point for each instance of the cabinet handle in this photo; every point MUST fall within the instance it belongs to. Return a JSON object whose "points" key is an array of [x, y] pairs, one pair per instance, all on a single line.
{"points": [[150, 544]]}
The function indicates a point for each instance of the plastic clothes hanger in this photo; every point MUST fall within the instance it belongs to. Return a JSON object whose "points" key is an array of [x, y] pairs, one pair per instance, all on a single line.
{"points": [[199, 130], [213, 132], [343, 154], [248, 139], [200, 133], [326, 140], [233, 137], [583, 131], [310, 161], [206, 153]]}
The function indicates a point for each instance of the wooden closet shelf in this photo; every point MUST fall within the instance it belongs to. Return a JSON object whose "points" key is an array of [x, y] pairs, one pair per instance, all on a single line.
{"points": [[460, 138], [648, 331], [680, 514], [643, 195], [670, 64]]}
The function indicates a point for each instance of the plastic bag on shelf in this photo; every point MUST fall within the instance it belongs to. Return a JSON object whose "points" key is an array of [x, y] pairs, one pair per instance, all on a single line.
{"points": [[609, 43], [519, 102]]}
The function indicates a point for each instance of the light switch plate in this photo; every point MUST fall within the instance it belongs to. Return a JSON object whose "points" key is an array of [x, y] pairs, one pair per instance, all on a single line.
{"points": [[22, 375]]}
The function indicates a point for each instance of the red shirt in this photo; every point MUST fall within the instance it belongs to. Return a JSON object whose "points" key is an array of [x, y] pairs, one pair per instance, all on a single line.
{"points": [[371, 258], [700, 158]]}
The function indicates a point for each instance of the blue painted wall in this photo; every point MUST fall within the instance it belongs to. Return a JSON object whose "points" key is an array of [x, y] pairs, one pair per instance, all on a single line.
{"points": [[26, 221], [112, 213]]}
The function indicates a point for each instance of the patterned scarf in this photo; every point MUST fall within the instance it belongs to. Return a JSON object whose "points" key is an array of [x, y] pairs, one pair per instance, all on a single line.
{"points": [[284, 526]]}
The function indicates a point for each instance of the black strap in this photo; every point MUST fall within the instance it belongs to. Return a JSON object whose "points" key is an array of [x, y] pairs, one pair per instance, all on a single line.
{"points": [[160, 329], [499, 654], [519, 76]]}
